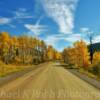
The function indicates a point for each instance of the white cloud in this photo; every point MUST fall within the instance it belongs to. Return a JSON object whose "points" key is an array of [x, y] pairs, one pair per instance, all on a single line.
{"points": [[97, 39], [12, 26], [84, 30], [62, 12], [4, 20], [86, 41], [54, 39], [73, 38], [51, 40], [36, 29], [22, 13], [88, 34]]}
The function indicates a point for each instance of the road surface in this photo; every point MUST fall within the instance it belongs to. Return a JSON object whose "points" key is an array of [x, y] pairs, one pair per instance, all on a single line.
{"points": [[49, 82]]}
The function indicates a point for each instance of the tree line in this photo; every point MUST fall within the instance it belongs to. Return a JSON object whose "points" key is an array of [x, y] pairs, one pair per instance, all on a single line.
{"points": [[25, 50], [79, 56], [29, 50]]}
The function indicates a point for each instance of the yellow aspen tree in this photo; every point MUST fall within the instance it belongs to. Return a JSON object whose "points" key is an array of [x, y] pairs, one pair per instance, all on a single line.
{"points": [[5, 38], [96, 58], [82, 54]]}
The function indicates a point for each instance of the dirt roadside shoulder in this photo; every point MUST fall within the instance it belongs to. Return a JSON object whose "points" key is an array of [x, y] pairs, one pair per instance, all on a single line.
{"points": [[93, 82], [15, 75]]}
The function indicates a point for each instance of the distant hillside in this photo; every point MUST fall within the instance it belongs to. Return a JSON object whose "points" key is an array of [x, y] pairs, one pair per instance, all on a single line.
{"points": [[96, 47]]}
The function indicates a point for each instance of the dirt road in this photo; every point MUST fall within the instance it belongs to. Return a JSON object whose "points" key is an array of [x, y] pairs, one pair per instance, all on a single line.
{"points": [[49, 82]]}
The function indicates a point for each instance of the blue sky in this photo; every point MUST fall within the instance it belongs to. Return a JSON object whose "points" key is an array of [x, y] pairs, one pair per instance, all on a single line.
{"points": [[57, 22]]}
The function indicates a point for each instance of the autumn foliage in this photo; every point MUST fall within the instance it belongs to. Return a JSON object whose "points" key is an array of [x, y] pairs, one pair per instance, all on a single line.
{"points": [[29, 50], [96, 58], [78, 55], [25, 50]]}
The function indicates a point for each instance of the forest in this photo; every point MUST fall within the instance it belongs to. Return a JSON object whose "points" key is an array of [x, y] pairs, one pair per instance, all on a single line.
{"points": [[23, 51], [79, 57], [16, 53]]}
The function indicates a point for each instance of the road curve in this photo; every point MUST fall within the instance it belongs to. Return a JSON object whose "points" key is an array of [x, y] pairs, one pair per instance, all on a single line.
{"points": [[49, 82]]}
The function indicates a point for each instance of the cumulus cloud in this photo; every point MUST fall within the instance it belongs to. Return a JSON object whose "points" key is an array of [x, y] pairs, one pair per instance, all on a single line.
{"points": [[62, 12], [4, 20]]}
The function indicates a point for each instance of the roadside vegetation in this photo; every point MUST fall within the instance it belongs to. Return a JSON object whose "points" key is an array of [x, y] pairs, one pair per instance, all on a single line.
{"points": [[10, 68], [79, 57], [18, 53]]}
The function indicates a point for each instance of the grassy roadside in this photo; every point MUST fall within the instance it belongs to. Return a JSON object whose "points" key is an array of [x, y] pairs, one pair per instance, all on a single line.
{"points": [[82, 70], [90, 74], [9, 69]]}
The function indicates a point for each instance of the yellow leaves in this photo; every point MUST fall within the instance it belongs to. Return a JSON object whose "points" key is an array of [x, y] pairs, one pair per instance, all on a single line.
{"points": [[78, 55], [50, 52], [42, 44], [5, 37], [70, 55], [11, 42], [15, 41], [34, 42], [82, 52], [96, 58], [58, 56], [24, 48], [4, 41]]}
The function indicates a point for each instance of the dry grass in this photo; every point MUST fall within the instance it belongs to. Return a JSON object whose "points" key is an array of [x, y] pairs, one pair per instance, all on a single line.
{"points": [[8, 69], [89, 74]]}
